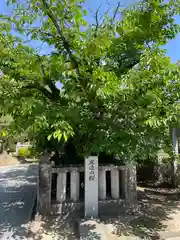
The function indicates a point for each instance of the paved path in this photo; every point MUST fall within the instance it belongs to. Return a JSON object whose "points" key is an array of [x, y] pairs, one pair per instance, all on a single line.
{"points": [[17, 194]]}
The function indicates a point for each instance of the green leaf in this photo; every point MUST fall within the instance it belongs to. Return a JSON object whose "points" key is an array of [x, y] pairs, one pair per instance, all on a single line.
{"points": [[65, 137]]}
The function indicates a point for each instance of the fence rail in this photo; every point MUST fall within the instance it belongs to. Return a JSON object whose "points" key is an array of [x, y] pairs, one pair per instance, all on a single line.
{"points": [[81, 168], [116, 181]]}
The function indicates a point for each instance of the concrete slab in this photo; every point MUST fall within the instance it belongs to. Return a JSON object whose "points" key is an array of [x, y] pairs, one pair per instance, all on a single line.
{"points": [[17, 195]]}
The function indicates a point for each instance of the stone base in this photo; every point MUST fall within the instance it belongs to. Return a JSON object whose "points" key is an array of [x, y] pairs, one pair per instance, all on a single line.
{"points": [[70, 208], [106, 208]]}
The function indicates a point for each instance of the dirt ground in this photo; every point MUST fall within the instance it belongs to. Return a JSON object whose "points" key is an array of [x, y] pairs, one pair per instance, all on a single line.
{"points": [[7, 160], [158, 212], [54, 228]]}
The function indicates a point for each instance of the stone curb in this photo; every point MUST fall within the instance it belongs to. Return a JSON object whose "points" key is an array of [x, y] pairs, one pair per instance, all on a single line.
{"points": [[30, 219], [31, 210]]}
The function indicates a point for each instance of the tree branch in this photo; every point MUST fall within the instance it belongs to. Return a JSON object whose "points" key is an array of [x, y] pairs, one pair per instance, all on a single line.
{"points": [[97, 20], [41, 89], [53, 88], [47, 34], [115, 12], [59, 31], [42, 66]]}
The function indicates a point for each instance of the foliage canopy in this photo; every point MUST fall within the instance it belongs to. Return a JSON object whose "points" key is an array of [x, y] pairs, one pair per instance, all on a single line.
{"points": [[119, 91]]}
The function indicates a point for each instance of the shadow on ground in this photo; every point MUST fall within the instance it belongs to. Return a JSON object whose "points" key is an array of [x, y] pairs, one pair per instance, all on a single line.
{"points": [[57, 227], [17, 189], [151, 216]]}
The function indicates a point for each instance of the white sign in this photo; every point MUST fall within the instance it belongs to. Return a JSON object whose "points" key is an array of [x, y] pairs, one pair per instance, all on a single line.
{"points": [[91, 186]]}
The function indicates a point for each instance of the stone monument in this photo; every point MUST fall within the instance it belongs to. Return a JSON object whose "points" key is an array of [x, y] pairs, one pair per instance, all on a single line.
{"points": [[91, 187]]}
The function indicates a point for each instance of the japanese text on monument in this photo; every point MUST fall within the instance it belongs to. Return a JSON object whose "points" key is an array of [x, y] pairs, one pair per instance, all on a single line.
{"points": [[91, 170]]}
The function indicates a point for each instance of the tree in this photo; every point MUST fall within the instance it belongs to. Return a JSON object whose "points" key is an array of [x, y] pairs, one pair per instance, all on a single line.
{"points": [[119, 92]]}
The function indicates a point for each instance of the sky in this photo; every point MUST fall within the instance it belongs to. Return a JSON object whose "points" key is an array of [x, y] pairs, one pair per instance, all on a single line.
{"points": [[173, 46]]}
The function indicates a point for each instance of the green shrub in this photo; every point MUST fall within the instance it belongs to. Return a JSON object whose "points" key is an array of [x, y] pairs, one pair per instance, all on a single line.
{"points": [[25, 152]]}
